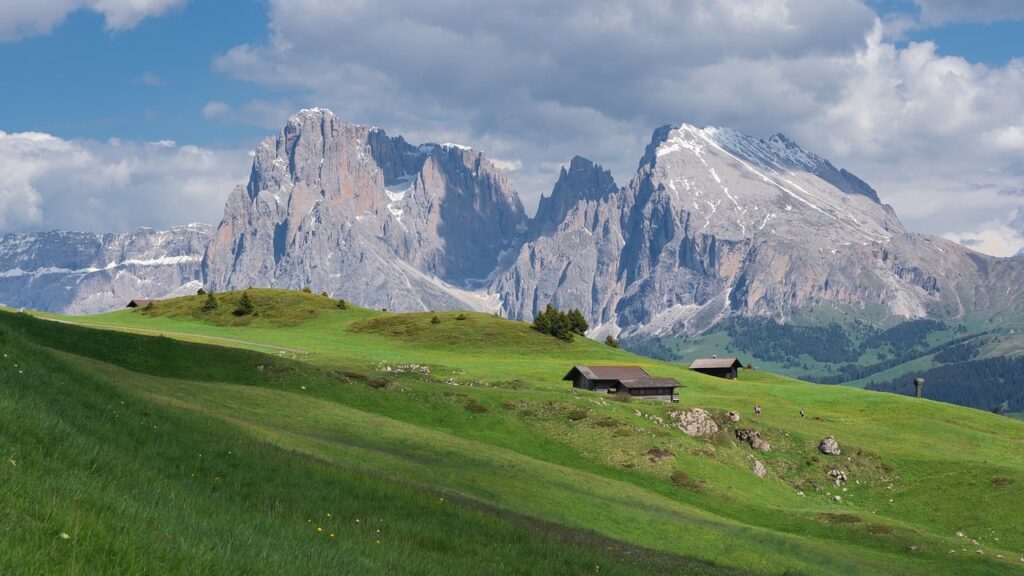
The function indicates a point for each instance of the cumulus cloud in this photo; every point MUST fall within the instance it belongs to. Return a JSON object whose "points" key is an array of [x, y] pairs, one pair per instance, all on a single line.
{"points": [[48, 182], [20, 18], [532, 80], [1000, 238], [261, 113], [541, 82], [937, 12]]}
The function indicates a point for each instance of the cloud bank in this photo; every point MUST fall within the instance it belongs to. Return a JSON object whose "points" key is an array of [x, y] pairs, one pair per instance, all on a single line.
{"points": [[48, 183], [23, 18], [533, 83]]}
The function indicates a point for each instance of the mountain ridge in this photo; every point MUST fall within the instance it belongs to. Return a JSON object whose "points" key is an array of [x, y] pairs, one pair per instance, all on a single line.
{"points": [[713, 224]]}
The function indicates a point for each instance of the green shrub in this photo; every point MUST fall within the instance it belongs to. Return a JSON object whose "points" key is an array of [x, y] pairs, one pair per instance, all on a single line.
{"points": [[578, 414], [245, 306], [210, 303], [611, 341], [200, 292], [307, 290], [461, 317], [325, 294], [342, 304], [435, 320]]}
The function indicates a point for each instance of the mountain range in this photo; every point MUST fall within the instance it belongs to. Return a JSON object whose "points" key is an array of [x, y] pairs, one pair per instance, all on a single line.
{"points": [[713, 227]]}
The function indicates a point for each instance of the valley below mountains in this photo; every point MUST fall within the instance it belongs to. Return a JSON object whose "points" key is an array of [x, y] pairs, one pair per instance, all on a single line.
{"points": [[718, 243]]}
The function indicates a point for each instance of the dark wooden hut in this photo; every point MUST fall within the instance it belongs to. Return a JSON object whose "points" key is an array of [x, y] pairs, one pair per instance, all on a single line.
{"points": [[720, 367], [632, 380]]}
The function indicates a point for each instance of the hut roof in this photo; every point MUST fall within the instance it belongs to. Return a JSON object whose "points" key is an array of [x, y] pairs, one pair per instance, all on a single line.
{"points": [[140, 303], [608, 372], [649, 383], [704, 363]]}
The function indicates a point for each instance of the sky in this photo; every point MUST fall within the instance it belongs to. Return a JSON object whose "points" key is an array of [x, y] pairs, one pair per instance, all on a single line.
{"points": [[116, 114]]}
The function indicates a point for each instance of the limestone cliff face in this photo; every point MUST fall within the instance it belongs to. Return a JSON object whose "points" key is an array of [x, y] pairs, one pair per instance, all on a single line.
{"points": [[82, 273], [715, 223], [348, 210]]}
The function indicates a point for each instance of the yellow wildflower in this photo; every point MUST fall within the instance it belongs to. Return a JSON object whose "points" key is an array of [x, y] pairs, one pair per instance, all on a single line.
{"points": [[65, 536], [319, 529], [332, 534]]}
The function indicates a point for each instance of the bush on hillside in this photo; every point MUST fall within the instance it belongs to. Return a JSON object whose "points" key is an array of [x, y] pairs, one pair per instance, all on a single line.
{"points": [[325, 294], [342, 304], [461, 317], [307, 289], [149, 307], [200, 292], [578, 322], [435, 320], [210, 303], [245, 306], [562, 325], [611, 341]]}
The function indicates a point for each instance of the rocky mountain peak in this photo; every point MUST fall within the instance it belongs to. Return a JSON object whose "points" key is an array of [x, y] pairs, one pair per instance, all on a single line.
{"points": [[347, 209], [581, 181]]}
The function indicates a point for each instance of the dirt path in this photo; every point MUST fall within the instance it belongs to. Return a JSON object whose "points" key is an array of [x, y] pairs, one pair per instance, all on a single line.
{"points": [[178, 335]]}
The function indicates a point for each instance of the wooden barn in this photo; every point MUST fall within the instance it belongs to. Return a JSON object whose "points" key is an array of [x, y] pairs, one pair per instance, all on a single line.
{"points": [[140, 303], [720, 367], [632, 380]]}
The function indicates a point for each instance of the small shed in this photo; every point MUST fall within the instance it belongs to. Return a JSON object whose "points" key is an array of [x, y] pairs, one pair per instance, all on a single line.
{"points": [[720, 367], [140, 303], [632, 380], [651, 388]]}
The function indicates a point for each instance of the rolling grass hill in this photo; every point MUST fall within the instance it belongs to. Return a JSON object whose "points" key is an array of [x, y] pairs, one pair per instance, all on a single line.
{"points": [[181, 440], [865, 356]]}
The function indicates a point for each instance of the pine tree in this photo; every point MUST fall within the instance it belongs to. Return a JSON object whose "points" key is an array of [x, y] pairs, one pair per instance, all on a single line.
{"points": [[211, 302], [245, 306], [579, 323], [542, 321]]}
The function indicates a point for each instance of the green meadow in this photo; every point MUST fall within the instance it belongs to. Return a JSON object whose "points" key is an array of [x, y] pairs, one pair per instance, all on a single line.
{"points": [[309, 439]]}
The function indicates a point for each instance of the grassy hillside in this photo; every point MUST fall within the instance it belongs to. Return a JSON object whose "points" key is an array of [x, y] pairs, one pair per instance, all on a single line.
{"points": [[864, 356], [461, 436]]}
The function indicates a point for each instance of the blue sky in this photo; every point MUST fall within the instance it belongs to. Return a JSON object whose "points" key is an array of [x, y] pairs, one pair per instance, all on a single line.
{"points": [[896, 91], [146, 83]]}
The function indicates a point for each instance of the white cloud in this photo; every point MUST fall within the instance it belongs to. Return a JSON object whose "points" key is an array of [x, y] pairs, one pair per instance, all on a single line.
{"points": [[150, 79], [998, 238], [532, 80], [215, 109], [23, 18], [49, 183], [541, 82], [262, 113]]}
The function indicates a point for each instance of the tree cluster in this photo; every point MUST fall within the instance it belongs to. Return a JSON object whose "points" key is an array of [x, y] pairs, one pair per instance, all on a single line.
{"points": [[561, 325]]}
